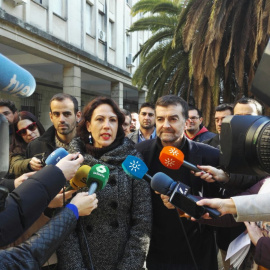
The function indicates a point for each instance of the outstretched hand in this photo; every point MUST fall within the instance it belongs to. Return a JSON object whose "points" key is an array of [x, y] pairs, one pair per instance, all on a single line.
{"points": [[211, 174], [85, 203], [70, 164]]}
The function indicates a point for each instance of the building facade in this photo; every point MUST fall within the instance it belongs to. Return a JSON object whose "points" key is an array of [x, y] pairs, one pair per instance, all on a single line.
{"points": [[80, 47]]}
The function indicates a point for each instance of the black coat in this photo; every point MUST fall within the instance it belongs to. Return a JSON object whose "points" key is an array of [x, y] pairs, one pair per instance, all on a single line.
{"points": [[33, 253], [25, 204], [168, 244], [43, 145]]}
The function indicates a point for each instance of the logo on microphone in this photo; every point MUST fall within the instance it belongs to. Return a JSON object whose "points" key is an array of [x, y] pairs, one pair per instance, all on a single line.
{"points": [[174, 151], [169, 162], [101, 169], [134, 165]]}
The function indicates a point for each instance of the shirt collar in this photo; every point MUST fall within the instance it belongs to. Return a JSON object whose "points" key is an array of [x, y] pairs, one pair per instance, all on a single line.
{"points": [[152, 136]]}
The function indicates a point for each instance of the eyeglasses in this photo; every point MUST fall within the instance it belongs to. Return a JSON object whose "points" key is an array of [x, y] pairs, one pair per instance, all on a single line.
{"points": [[193, 118], [23, 131]]}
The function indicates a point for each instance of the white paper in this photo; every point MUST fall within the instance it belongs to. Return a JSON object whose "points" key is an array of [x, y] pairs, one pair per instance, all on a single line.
{"points": [[238, 249]]}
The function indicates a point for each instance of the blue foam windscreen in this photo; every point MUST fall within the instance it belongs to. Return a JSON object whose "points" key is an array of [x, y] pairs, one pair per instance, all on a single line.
{"points": [[134, 167], [162, 183], [55, 156], [15, 80]]}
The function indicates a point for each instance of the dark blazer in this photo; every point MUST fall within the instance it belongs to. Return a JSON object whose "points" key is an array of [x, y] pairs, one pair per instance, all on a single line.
{"points": [[199, 154], [168, 244]]}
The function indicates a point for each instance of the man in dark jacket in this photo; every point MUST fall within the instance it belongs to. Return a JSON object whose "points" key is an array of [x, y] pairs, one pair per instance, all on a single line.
{"points": [[65, 115], [168, 247], [195, 130]]}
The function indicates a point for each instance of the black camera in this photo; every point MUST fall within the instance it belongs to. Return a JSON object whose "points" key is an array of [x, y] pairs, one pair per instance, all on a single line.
{"points": [[182, 199], [245, 140], [41, 157], [3, 196]]}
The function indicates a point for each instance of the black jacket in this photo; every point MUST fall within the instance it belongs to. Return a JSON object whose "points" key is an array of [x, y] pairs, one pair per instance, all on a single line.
{"points": [[236, 184], [25, 204], [43, 145], [168, 244], [34, 252]]}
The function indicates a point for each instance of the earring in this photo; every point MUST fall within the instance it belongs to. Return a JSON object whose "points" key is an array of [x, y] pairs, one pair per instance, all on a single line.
{"points": [[90, 138]]}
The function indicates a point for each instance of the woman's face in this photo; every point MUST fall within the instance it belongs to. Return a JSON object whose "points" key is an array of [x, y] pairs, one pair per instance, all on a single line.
{"points": [[103, 125], [28, 135]]}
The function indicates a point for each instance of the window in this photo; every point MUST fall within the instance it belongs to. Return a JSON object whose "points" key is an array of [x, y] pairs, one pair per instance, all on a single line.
{"points": [[101, 20], [60, 7], [88, 19], [129, 2], [42, 2], [127, 44], [111, 35], [101, 26]]}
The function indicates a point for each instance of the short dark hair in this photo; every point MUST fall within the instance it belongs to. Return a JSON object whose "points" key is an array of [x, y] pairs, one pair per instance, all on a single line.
{"points": [[88, 112], [147, 105], [168, 100], [63, 96], [191, 108], [224, 107], [8, 103], [126, 112], [247, 100], [18, 145]]}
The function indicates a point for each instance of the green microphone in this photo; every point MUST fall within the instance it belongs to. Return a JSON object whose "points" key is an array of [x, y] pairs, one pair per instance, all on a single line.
{"points": [[97, 178]]}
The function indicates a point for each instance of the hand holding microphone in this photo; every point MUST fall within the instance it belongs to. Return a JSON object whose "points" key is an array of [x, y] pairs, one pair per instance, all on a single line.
{"points": [[79, 179], [70, 164], [212, 174], [56, 156], [180, 196], [85, 203], [35, 164]]}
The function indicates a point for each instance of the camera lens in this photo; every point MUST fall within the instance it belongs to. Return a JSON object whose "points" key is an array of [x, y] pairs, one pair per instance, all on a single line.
{"points": [[245, 144]]}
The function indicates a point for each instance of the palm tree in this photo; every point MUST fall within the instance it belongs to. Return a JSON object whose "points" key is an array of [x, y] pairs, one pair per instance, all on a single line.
{"points": [[162, 67], [215, 49]]}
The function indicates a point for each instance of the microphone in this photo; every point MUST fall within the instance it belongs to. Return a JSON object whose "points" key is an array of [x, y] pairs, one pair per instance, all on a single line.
{"points": [[180, 196], [15, 80], [136, 168], [79, 179], [173, 158], [97, 178], [55, 156]]}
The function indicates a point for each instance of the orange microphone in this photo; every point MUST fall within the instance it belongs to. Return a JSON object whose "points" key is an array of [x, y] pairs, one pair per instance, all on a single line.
{"points": [[173, 158]]}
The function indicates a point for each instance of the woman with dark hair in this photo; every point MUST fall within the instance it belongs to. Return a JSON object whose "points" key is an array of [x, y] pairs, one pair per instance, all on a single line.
{"points": [[26, 128], [117, 234]]}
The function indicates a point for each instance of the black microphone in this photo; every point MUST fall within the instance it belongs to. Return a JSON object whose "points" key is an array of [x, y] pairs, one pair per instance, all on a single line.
{"points": [[180, 196]]}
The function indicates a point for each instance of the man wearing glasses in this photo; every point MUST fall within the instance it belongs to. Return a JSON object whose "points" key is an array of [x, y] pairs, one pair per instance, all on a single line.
{"points": [[147, 128], [195, 131]]}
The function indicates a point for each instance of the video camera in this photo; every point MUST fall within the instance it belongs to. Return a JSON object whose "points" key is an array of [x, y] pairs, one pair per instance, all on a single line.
{"points": [[245, 140]]}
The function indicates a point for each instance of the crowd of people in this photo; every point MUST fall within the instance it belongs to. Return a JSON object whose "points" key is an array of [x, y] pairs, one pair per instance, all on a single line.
{"points": [[126, 225]]}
